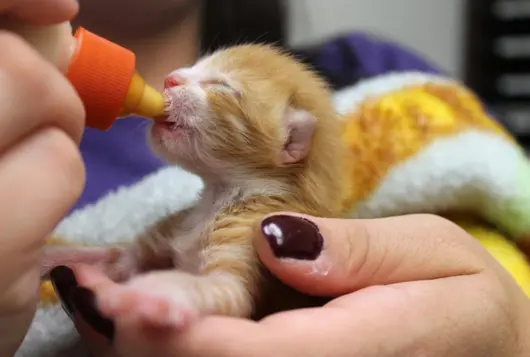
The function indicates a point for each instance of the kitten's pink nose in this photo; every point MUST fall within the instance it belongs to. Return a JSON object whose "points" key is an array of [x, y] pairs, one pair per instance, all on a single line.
{"points": [[170, 83], [174, 80]]}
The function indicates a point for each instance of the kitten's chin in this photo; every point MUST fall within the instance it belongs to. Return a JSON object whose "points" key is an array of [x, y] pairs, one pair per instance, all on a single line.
{"points": [[169, 142]]}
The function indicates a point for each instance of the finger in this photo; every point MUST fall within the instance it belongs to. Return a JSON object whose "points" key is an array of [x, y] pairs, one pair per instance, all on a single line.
{"points": [[97, 344], [334, 256], [89, 276], [127, 336], [40, 12], [197, 341], [34, 94], [40, 179], [374, 322], [96, 332]]}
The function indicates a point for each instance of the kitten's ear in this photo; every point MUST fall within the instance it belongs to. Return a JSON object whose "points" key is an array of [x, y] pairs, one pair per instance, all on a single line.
{"points": [[300, 127]]}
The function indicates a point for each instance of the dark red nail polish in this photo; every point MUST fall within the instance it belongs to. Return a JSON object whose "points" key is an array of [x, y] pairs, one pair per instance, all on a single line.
{"points": [[84, 302], [293, 237], [64, 282]]}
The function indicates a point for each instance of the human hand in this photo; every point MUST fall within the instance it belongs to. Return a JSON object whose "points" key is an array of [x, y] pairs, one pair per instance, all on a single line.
{"points": [[41, 171], [42, 24], [405, 286]]}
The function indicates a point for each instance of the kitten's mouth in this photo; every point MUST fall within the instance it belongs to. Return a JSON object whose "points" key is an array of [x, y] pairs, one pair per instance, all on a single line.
{"points": [[170, 125]]}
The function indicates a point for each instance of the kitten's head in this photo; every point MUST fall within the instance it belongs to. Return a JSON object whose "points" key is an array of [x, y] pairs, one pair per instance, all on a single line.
{"points": [[245, 110]]}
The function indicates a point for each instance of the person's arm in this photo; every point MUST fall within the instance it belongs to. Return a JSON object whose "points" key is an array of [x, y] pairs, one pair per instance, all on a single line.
{"points": [[346, 59]]}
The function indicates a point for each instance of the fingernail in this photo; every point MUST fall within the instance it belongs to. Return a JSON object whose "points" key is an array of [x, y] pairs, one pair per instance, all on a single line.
{"points": [[64, 282], [84, 302], [293, 237]]}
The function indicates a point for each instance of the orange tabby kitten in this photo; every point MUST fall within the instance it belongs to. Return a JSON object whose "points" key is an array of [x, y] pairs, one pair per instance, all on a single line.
{"points": [[260, 129]]}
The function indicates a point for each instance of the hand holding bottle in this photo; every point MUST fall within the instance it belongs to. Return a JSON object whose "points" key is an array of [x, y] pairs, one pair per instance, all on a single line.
{"points": [[41, 171]]}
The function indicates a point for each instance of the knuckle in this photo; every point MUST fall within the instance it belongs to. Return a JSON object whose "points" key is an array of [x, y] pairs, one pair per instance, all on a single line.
{"points": [[444, 229], [20, 60], [374, 249], [23, 68], [66, 160], [502, 308], [437, 221], [18, 298], [67, 110], [450, 237], [62, 107], [35, 79], [355, 248], [8, 38], [11, 41]]}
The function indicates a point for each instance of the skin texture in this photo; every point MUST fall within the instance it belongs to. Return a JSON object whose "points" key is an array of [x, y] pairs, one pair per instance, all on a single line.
{"points": [[41, 172], [461, 303]]}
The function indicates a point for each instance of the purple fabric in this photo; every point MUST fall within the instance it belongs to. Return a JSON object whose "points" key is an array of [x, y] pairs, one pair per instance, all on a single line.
{"points": [[346, 59], [117, 157], [121, 156]]}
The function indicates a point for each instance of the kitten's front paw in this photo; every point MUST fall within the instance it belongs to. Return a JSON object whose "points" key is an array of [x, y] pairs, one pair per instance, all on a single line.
{"points": [[150, 300]]}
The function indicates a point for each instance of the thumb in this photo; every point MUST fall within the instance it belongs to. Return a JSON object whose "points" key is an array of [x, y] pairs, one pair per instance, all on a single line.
{"points": [[331, 257]]}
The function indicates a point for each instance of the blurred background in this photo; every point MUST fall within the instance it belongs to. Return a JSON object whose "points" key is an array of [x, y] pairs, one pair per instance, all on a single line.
{"points": [[485, 43], [434, 28]]}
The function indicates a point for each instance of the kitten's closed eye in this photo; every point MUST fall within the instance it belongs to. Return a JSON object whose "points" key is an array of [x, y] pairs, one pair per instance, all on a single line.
{"points": [[215, 82], [218, 83]]}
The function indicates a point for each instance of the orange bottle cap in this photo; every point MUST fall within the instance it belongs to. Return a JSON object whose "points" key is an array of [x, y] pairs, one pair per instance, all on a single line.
{"points": [[101, 72]]}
